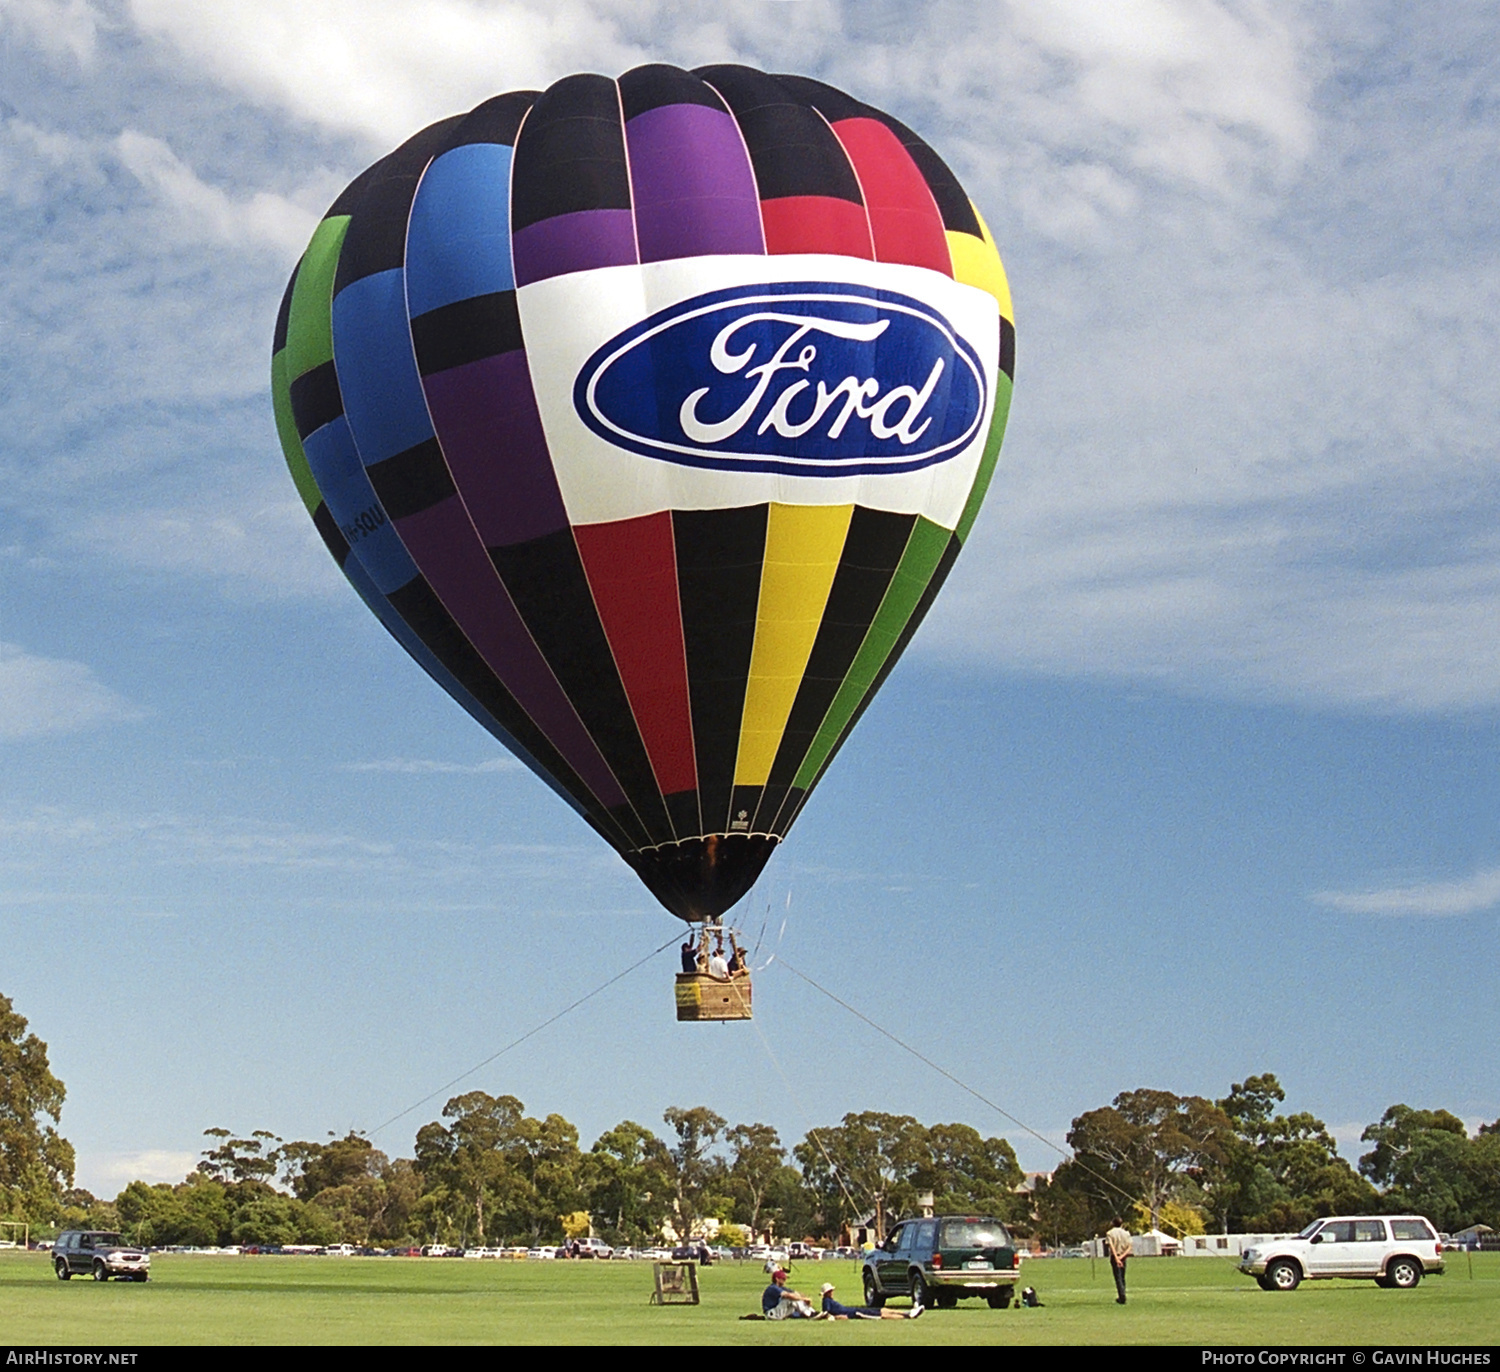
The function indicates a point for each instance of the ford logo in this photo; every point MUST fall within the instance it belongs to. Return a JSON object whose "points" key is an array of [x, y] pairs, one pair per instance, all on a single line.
{"points": [[798, 378]]}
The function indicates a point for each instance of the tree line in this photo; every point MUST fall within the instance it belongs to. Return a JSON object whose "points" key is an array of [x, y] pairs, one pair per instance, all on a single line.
{"points": [[487, 1173]]}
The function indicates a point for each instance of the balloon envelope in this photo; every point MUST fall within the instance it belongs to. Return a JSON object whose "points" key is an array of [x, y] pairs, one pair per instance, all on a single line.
{"points": [[649, 415]]}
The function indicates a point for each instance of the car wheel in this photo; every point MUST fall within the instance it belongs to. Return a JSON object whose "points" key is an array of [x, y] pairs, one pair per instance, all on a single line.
{"points": [[1403, 1273], [101, 1272], [1283, 1275], [873, 1296], [1265, 1283], [920, 1295], [1000, 1299], [62, 1269], [946, 1300]]}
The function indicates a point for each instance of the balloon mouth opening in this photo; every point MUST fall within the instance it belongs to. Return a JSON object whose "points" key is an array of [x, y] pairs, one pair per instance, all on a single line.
{"points": [[698, 879]]}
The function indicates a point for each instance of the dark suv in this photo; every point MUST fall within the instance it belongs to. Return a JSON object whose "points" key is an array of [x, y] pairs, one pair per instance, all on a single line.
{"points": [[937, 1260], [97, 1253]]}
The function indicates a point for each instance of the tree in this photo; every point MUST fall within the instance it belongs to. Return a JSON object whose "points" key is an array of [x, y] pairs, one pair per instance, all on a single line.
{"points": [[969, 1174], [692, 1166], [238, 1160], [1063, 1212], [545, 1162], [279, 1219], [468, 1157], [313, 1167], [82, 1209], [1424, 1161], [756, 1161], [866, 1163], [576, 1225], [1279, 1171], [1150, 1147], [1484, 1174], [790, 1208], [209, 1209], [152, 1215], [36, 1162], [625, 1176], [513, 1175]]}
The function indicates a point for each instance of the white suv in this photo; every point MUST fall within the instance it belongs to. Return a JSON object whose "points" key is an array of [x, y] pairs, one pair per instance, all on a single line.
{"points": [[1394, 1250]]}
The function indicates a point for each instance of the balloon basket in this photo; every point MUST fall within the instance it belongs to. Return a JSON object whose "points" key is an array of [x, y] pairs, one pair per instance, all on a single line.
{"points": [[704, 997]]}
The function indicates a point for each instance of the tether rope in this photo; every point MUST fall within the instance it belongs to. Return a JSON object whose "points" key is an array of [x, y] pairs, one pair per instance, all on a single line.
{"points": [[530, 1033], [964, 1086], [812, 1132]]}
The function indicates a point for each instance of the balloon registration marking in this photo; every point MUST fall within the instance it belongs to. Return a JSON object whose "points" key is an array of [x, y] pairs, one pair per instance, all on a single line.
{"points": [[641, 390]]}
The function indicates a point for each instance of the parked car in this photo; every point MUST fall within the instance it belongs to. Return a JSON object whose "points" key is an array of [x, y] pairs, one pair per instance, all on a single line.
{"points": [[938, 1260], [1392, 1250], [99, 1254]]}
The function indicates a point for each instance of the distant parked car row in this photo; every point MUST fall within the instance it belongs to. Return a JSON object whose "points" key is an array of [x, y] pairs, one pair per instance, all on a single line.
{"points": [[72, 1243]]}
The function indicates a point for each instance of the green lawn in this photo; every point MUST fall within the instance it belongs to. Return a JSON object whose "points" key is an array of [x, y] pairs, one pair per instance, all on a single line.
{"points": [[225, 1300]]}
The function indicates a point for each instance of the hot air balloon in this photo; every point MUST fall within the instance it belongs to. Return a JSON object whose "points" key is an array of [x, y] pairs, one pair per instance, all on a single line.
{"points": [[649, 416]]}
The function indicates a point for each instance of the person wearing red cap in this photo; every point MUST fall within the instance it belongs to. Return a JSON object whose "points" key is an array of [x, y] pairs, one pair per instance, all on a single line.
{"points": [[777, 1303]]}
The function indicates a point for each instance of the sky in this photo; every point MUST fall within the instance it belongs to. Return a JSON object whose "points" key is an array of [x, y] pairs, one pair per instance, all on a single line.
{"points": [[1189, 775]]}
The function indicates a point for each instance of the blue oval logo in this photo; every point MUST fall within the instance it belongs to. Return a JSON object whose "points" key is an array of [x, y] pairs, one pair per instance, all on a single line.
{"points": [[805, 378]]}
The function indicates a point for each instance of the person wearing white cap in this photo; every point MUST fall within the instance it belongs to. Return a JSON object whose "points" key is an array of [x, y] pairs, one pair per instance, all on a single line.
{"points": [[863, 1312]]}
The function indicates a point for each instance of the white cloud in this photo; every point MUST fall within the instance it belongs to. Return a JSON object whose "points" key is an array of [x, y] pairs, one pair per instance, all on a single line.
{"points": [[1430, 899], [111, 1173], [58, 27], [385, 68], [262, 219], [37, 165], [1180, 80], [37, 836], [48, 695]]}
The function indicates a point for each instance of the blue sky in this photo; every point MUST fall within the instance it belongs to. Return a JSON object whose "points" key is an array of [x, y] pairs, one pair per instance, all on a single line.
{"points": [[1190, 774]]}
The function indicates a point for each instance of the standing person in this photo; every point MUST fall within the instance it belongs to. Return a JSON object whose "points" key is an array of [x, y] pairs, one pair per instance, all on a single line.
{"points": [[718, 967], [689, 958], [1117, 1241]]}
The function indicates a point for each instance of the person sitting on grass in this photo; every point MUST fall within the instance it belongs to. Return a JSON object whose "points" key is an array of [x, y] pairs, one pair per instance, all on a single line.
{"points": [[863, 1312], [777, 1303]]}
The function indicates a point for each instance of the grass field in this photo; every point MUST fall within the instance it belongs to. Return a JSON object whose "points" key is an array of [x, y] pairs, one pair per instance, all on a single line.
{"points": [[228, 1300]]}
